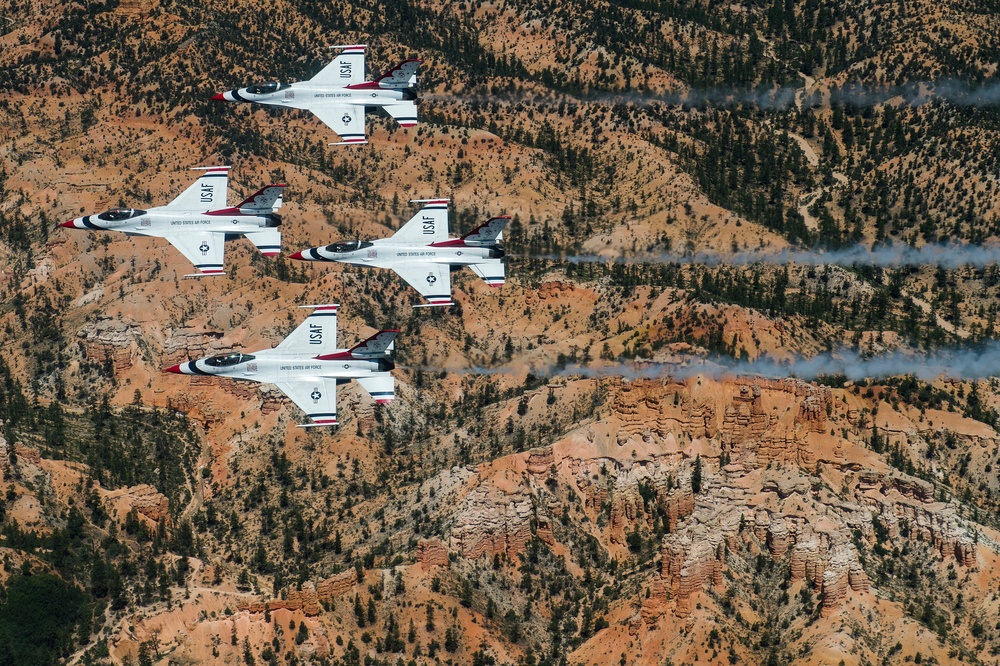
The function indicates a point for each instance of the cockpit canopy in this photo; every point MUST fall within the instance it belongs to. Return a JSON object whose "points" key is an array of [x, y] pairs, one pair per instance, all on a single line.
{"points": [[119, 214], [348, 246], [265, 88], [228, 359]]}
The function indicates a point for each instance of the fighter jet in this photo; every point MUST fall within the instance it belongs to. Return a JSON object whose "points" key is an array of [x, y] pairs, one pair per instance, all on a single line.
{"points": [[198, 222], [338, 94], [422, 254], [307, 366]]}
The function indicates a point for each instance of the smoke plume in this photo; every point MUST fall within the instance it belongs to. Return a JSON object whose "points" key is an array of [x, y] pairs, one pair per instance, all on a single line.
{"points": [[947, 256], [949, 363], [914, 93]]}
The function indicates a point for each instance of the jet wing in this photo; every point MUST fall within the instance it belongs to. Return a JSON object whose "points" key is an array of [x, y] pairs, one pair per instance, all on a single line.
{"points": [[347, 120], [206, 193], [433, 281], [316, 335], [204, 249], [317, 398], [405, 113], [346, 69]]}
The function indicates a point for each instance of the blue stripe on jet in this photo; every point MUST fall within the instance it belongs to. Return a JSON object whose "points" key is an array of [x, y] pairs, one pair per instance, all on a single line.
{"points": [[268, 247], [208, 265], [195, 370], [87, 223], [377, 393], [238, 97], [215, 175], [314, 416]]}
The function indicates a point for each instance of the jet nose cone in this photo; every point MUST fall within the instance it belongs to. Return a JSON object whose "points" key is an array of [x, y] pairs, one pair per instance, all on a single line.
{"points": [[69, 224], [221, 97], [297, 255], [174, 368]]}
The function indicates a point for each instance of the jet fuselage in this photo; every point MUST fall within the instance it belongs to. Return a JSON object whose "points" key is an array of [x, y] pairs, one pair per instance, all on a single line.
{"points": [[305, 95], [160, 222], [386, 253], [272, 366]]}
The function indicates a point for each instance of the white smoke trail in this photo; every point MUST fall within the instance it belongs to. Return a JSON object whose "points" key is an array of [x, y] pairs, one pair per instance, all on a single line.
{"points": [[951, 363], [947, 256], [915, 93]]}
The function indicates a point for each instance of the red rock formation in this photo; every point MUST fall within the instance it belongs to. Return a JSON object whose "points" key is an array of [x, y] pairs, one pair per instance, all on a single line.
{"points": [[145, 499], [310, 598], [746, 428], [432, 552], [337, 585], [111, 338], [540, 461], [655, 605], [899, 501], [689, 562], [493, 522], [843, 572]]}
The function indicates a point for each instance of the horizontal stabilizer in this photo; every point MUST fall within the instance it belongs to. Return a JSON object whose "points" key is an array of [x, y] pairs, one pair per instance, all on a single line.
{"points": [[405, 113], [381, 387], [491, 271], [268, 241]]}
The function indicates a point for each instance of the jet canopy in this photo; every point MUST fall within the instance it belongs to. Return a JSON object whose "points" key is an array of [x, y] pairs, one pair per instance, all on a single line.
{"points": [[266, 88], [348, 246], [119, 214], [228, 359]]}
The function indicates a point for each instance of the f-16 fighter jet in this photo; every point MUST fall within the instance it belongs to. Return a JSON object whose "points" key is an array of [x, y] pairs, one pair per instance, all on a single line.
{"points": [[422, 253], [307, 366], [198, 222], [338, 94]]}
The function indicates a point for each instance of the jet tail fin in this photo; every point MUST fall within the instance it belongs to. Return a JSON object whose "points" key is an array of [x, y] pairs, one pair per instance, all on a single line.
{"points": [[379, 345], [403, 75], [487, 233], [266, 199]]}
